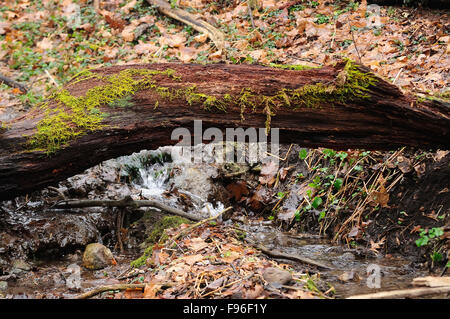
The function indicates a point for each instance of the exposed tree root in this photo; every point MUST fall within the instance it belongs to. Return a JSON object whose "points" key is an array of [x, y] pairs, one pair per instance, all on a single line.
{"points": [[279, 254]]}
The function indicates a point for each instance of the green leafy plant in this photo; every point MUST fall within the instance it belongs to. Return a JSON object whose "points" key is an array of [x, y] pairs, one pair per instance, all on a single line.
{"points": [[322, 215], [281, 195], [436, 256], [426, 235], [338, 183], [322, 19], [317, 201], [303, 154]]}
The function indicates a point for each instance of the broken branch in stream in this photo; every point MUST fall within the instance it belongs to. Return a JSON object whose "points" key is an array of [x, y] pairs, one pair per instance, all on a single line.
{"points": [[126, 202], [99, 290], [279, 254]]}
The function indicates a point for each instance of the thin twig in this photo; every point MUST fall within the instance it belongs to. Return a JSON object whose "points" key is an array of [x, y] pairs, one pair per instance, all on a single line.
{"points": [[51, 78], [187, 230], [250, 13], [398, 74], [354, 41]]}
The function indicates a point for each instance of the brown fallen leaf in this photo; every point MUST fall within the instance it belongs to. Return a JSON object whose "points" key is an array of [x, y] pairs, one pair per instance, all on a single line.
{"points": [[268, 172], [187, 54], [172, 40], [201, 38], [115, 22], [238, 189], [128, 7], [192, 259], [374, 246], [145, 48], [195, 244], [151, 290], [44, 44]]}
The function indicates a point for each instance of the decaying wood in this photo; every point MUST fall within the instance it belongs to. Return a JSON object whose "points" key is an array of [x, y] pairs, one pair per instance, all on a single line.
{"points": [[386, 120], [431, 281], [126, 202], [201, 26], [404, 293], [437, 285]]}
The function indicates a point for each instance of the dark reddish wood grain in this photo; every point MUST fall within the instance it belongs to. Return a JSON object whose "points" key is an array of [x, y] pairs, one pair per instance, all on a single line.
{"points": [[387, 120]]}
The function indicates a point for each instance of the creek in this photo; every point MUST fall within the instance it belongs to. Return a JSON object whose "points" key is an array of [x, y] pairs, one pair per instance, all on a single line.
{"points": [[51, 241]]}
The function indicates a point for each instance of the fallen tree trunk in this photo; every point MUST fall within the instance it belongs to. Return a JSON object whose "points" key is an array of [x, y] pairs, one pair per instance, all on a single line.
{"points": [[404, 293], [115, 111]]}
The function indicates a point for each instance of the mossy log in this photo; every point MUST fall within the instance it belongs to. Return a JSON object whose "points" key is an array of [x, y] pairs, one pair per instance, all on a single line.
{"points": [[115, 111]]}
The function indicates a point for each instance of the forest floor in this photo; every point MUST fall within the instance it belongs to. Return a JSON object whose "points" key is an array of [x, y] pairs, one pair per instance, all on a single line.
{"points": [[375, 203]]}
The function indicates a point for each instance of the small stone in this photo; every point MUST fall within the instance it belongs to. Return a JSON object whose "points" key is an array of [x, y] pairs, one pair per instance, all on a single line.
{"points": [[19, 266], [277, 277], [3, 285], [349, 276], [96, 256]]}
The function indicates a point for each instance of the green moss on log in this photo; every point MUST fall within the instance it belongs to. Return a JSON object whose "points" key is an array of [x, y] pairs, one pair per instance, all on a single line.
{"points": [[71, 117]]}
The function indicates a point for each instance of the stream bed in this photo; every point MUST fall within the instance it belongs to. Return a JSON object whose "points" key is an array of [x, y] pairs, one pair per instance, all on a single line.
{"points": [[41, 249]]}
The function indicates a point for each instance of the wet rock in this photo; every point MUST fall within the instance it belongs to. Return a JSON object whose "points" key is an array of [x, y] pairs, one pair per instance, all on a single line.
{"points": [[362, 252], [348, 256], [276, 276], [96, 256], [3, 285], [48, 234], [349, 276], [73, 258], [334, 250], [59, 280], [20, 266]]}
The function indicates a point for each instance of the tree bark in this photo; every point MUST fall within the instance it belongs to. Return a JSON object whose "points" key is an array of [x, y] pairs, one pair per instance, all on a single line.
{"points": [[386, 120]]}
